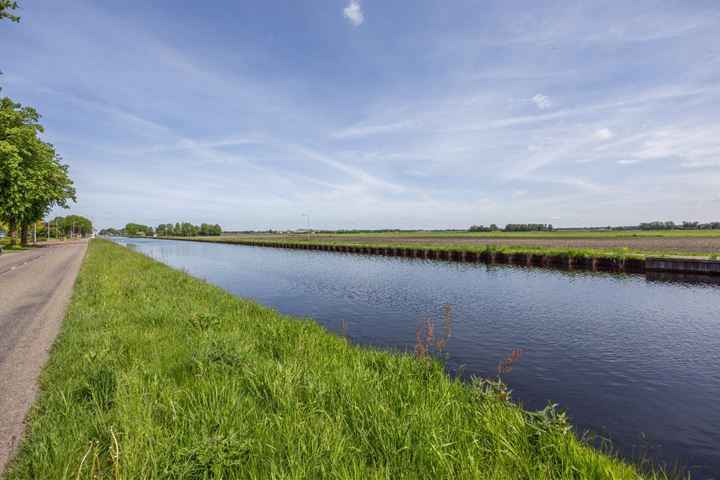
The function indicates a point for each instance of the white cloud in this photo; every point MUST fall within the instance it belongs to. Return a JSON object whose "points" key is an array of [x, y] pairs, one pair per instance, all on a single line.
{"points": [[368, 130], [603, 134], [353, 13], [709, 163], [542, 101]]}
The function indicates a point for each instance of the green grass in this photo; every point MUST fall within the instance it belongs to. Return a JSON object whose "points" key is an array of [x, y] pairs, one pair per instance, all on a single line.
{"points": [[6, 246], [156, 374]]}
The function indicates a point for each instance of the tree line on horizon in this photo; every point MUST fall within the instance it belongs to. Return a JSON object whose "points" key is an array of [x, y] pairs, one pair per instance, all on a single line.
{"points": [[184, 229], [674, 226], [513, 227], [541, 227]]}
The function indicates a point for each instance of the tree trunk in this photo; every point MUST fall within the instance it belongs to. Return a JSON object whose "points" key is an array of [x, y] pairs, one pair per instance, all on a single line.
{"points": [[12, 230], [24, 234]]}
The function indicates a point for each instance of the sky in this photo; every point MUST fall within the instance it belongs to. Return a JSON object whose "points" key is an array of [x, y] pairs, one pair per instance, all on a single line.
{"points": [[375, 114]]}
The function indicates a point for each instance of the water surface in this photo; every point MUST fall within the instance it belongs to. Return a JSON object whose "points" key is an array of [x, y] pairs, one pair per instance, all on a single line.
{"points": [[634, 360]]}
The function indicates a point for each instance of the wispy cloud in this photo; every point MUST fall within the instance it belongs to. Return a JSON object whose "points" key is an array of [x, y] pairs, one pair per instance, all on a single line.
{"points": [[603, 134], [542, 101], [705, 164], [367, 130], [353, 13]]}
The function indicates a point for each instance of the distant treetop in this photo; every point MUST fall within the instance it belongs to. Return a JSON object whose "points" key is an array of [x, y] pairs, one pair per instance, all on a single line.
{"points": [[165, 230]]}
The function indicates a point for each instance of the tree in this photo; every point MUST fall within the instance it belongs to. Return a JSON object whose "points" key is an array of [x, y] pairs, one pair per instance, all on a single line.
{"points": [[138, 230], [75, 224], [184, 229], [528, 227], [17, 126], [52, 186], [32, 179], [6, 6], [72, 224]]}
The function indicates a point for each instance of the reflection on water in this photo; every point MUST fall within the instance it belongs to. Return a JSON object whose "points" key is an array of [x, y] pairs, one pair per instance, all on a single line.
{"points": [[631, 358]]}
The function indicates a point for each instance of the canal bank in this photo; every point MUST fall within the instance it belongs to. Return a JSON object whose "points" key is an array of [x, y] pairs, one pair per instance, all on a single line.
{"points": [[158, 374]]}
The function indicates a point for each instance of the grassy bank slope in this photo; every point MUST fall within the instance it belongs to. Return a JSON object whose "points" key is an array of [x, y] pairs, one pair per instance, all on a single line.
{"points": [[156, 374]]}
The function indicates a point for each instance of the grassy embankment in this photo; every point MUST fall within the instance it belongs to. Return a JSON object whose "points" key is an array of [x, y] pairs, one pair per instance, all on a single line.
{"points": [[156, 374]]}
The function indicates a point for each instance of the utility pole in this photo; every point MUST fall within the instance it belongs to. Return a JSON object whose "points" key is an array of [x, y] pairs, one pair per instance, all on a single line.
{"points": [[72, 230], [308, 227], [48, 232], [34, 232]]}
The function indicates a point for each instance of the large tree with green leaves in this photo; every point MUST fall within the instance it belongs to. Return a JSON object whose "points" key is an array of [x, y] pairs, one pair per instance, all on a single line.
{"points": [[32, 177], [72, 224]]}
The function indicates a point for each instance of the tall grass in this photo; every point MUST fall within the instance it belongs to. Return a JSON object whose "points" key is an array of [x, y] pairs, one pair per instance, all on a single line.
{"points": [[156, 374]]}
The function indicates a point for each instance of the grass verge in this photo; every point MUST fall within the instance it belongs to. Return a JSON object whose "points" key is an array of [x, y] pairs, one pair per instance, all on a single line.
{"points": [[156, 374]]}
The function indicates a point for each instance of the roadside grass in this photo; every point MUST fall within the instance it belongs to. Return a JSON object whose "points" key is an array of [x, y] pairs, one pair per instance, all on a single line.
{"points": [[609, 253], [156, 374], [7, 248]]}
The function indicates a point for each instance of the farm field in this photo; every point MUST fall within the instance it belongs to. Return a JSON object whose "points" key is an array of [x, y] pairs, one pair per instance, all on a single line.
{"points": [[673, 241]]}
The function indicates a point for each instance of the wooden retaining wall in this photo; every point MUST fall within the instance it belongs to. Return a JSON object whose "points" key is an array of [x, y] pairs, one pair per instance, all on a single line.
{"points": [[630, 265], [698, 266]]}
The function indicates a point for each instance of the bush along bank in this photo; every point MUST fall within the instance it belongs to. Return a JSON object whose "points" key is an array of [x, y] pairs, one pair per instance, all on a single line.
{"points": [[156, 374]]}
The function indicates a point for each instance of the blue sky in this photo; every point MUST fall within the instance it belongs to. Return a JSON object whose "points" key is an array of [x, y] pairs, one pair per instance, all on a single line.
{"points": [[376, 114]]}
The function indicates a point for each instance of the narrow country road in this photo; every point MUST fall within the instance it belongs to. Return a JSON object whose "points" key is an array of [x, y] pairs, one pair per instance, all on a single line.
{"points": [[35, 288]]}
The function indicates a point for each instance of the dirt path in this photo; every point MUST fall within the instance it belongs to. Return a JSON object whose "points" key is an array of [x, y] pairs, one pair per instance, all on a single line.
{"points": [[35, 288]]}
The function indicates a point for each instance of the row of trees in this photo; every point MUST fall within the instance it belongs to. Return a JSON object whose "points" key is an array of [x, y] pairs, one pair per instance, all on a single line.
{"points": [[541, 227], [189, 230], [674, 226], [528, 227], [483, 228], [72, 225], [165, 229], [513, 227]]}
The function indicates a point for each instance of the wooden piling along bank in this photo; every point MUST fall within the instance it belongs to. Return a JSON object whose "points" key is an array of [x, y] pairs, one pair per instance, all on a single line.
{"points": [[695, 269], [598, 264], [699, 266]]}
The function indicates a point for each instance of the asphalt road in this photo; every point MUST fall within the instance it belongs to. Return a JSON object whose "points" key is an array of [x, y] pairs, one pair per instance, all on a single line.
{"points": [[35, 288]]}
